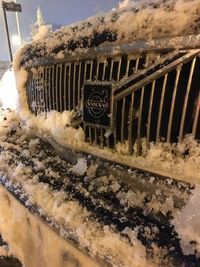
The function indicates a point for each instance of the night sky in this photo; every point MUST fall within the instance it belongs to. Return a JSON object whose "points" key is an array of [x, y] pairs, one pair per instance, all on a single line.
{"points": [[55, 12]]}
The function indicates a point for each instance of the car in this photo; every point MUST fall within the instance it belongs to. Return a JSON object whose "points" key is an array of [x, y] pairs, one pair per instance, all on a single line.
{"points": [[115, 85], [121, 90]]}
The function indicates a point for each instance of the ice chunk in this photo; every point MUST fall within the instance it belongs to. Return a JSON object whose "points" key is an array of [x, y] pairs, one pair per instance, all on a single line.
{"points": [[81, 167]]}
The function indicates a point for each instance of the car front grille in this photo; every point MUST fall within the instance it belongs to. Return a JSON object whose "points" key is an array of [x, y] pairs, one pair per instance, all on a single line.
{"points": [[154, 95]]}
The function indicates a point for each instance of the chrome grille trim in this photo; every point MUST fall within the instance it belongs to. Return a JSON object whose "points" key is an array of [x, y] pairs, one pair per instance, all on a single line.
{"points": [[150, 112], [161, 108], [130, 138], [186, 99], [123, 120], [139, 122], [52, 88], [178, 71], [196, 117]]}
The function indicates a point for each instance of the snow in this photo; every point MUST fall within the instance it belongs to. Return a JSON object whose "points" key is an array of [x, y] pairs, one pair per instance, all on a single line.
{"points": [[163, 158], [101, 241], [125, 3], [42, 32], [81, 167], [187, 225], [8, 90], [32, 241], [131, 22]]}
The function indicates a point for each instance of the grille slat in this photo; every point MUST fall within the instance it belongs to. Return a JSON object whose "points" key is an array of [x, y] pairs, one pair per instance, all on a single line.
{"points": [[130, 138], [178, 71], [78, 66], [150, 112], [30, 88], [90, 134], [161, 108], [65, 88], [123, 120], [196, 118], [53, 88], [60, 89], [68, 78], [57, 87], [186, 100], [45, 91], [36, 96], [127, 68], [136, 65], [74, 87], [139, 122], [95, 136]]}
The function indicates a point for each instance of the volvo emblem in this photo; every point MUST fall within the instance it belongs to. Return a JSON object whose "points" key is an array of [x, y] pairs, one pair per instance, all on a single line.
{"points": [[97, 108], [97, 103]]}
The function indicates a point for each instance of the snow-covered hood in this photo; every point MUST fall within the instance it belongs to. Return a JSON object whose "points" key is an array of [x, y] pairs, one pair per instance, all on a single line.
{"points": [[139, 21]]}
